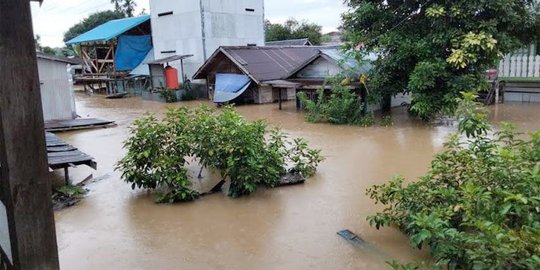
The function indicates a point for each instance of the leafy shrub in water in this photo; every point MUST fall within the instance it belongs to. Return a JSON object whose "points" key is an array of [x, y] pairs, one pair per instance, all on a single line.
{"points": [[246, 153], [387, 121], [478, 207], [169, 95], [156, 157], [342, 106]]}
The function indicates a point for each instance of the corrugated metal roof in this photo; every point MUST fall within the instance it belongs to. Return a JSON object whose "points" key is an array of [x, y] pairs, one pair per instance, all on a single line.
{"points": [[109, 30], [72, 61], [263, 63], [290, 42], [340, 59]]}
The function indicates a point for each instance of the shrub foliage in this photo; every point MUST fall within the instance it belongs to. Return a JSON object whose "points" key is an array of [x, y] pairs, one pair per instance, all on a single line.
{"points": [[342, 106], [478, 207], [248, 154]]}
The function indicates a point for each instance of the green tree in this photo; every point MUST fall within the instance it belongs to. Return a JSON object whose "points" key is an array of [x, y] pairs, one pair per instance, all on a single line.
{"points": [[435, 49], [293, 29], [127, 7], [91, 22]]}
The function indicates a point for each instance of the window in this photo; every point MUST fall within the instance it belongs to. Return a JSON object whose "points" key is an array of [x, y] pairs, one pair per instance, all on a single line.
{"points": [[250, 9], [173, 51], [165, 14]]}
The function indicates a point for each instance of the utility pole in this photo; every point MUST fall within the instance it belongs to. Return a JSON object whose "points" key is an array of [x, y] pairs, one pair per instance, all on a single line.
{"points": [[27, 232]]}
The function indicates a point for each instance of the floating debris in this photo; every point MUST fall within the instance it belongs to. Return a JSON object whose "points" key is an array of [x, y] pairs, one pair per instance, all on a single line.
{"points": [[291, 179], [351, 237], [67, 196]]}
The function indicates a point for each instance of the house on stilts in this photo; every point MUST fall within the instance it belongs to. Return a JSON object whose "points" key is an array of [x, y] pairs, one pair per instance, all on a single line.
{"points": [[111, 50]]}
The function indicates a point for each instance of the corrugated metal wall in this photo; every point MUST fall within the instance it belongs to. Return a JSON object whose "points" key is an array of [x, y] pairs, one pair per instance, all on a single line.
{"points": [[56, 90]]}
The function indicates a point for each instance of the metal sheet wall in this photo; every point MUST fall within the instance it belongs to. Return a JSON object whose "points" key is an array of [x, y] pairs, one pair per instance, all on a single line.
{"points": [[56, 90]]}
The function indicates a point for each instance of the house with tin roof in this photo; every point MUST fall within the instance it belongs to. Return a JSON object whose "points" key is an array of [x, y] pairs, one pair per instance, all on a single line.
{"points": [[266, 74], [253, 74]]}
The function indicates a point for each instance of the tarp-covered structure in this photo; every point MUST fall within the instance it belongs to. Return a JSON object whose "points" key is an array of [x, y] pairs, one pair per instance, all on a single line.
{"points": [[115, 46]]}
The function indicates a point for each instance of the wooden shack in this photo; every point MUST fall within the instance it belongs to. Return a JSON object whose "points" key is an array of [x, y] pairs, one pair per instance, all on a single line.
{"points": [[111, 50], [55, 81], [263, 68]]}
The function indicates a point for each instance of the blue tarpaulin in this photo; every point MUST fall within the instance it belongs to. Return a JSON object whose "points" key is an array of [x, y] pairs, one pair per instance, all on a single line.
{"points": [[131, 51], [230, 86]]}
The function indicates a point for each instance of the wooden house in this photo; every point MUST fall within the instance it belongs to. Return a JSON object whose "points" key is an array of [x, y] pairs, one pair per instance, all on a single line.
{"points": [[111, 50], [272, 73], [263, 69]]}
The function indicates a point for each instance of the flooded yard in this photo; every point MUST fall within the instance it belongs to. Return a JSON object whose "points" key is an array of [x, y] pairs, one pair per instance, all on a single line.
{"points": [[292, 227]]}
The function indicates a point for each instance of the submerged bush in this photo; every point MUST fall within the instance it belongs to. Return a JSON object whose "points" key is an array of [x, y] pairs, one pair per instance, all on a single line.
{"points": [[156, 157], [247, 154], [342, 106], [478, 207]]}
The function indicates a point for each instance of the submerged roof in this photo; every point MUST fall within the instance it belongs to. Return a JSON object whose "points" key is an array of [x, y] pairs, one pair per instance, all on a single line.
{"points": [[290, 42], [109, 30], [262, 63]]}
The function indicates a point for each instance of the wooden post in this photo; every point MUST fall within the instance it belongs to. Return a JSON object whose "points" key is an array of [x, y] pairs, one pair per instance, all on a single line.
{"points": [[27, 232], [280, 100]]}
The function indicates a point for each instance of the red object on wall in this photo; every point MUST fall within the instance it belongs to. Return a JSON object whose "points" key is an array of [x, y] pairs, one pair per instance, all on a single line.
{"points": [[171, 78]]}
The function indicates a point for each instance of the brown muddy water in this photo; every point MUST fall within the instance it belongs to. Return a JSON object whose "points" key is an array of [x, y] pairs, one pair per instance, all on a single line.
{"points": [[294, 227]]}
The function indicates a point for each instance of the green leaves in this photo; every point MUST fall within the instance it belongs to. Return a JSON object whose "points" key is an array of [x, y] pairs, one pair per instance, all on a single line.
{"points": [[340, 106], [478, 206], [246, 153]]}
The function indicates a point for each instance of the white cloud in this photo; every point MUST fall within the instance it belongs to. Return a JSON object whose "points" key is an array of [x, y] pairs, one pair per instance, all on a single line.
{"points": [[326, 13], [55, 17]]}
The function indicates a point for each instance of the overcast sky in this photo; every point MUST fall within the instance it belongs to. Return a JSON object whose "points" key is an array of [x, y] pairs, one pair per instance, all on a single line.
{"points": [[55, 17]]}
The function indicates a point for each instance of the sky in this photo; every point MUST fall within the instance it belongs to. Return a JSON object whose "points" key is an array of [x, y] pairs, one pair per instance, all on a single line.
{"points": [[54, 17]]}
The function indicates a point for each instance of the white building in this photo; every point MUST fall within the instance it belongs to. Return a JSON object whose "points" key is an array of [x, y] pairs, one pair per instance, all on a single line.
{"points": [[57, 97], [199, 27]]}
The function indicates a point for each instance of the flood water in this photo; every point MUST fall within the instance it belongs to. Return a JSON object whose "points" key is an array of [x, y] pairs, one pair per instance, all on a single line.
{"points": [[294, 227]]}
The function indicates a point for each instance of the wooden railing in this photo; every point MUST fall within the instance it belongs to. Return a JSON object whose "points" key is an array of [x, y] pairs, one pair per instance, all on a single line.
{"points": [[520, 66]]}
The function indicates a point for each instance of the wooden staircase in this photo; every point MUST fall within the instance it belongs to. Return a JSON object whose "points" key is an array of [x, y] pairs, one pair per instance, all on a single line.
{"points": [[488, 97]]}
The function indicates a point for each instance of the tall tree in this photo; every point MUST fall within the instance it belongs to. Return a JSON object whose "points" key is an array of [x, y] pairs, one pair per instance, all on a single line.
{"points": [[127, 7], [91, 22], [293, 29], [436, 49]]}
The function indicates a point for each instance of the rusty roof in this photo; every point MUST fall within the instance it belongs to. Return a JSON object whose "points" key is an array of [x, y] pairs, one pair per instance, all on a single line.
{"points": [[262, 63]]}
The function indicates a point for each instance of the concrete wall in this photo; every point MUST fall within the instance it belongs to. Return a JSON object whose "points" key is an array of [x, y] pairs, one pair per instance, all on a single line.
{"points": [[522, 97], [199, 27], [56, 90], [528, 92]]}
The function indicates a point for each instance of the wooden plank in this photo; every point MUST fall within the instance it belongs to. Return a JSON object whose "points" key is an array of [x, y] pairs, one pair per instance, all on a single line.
{"points": [[63, 148], [81, 123], [64, 156], [25, 188]]}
